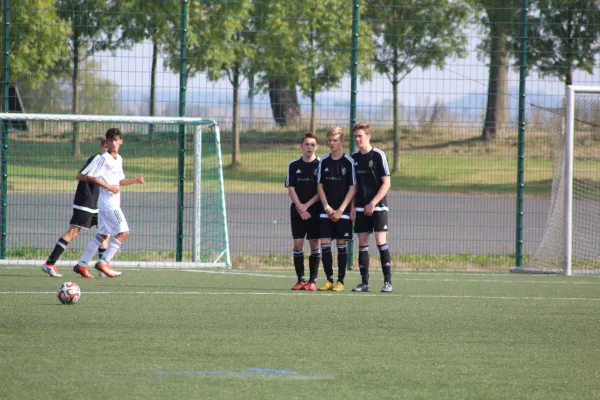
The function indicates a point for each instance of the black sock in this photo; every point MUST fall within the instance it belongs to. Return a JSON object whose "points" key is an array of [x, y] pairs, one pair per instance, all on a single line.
{"points": [[386, 263], [101, 252], [299, 264], [342, 258], [363, 263], [327, 261], [313, 264], [60, 246]]}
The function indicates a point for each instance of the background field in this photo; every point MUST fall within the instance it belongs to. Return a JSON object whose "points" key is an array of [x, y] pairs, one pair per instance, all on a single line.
{"points": [[243, 334]]}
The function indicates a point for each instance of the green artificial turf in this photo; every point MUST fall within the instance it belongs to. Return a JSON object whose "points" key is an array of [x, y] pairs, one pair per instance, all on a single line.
{"points": [[214, 334]]}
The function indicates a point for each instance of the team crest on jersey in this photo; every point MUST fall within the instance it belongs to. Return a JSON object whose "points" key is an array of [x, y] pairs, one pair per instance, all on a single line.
{"points": [[344, 171], [315, 172], [370, 163]]}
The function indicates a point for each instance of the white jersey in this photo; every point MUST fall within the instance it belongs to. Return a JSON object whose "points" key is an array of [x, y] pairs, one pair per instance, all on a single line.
{"points": [[110, 170]]}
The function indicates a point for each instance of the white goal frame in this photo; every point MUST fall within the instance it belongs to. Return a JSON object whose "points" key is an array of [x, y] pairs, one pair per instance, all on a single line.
{"points": [[224, 258], [570, 94]]}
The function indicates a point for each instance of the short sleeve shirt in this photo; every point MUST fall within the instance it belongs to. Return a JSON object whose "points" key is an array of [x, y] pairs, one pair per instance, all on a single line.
{"points": [[370, 170], [302, 176], [110, 170], [336, 176]]}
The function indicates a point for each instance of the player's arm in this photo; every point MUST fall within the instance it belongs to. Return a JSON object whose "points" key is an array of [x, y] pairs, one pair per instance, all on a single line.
{"points": [[353, 209], [386, 183], [301, 208], [349, 196], [100, 182], [132, 181], [328, 210], [313, 200]]}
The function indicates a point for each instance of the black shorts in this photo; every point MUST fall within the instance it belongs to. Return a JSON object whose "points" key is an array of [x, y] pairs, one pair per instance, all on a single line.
{"points": [[301, 228], [84, 219], [378, 222], [341, 230]]}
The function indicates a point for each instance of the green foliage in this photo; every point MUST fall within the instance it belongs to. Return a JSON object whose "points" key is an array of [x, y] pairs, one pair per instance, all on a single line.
{"points": [[410, 35], [565, 36], [36, 40]]}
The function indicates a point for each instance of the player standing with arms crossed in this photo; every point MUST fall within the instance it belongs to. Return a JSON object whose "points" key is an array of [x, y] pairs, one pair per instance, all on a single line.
{"points": [[369, 208], [301, 181], [107, 172], [336, 188]]}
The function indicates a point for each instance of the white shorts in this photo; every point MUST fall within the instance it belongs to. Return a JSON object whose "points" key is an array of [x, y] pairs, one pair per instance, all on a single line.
{"points": [[111, 221]]}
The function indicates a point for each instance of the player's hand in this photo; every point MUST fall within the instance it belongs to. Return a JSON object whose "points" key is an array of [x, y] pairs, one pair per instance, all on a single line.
{"points": [[140, 179], [369, 208], [301, 209], [113, 188], [353, 214], [337, 215], [305, 215]]}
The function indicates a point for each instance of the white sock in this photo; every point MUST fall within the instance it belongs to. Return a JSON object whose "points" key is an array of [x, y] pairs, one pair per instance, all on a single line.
{"points": [[91, 249], [113, 246]]}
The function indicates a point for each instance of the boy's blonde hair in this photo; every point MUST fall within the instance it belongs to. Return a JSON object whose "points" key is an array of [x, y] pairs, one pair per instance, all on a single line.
{"points": [[331, 132]]}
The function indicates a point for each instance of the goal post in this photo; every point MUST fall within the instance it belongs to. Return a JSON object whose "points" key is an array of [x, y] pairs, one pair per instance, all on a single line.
{"points": [[571, 239], [181, 205]]}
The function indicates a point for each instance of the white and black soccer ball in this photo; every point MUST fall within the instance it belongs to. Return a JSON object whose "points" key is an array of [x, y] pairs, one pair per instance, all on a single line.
{"points": [[69, 293]]}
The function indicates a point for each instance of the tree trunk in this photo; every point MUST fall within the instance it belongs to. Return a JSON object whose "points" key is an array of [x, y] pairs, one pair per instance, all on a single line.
{"points": [[284, 102], [395, 111], [313, 112], [235, 151], [497, 112], [569, 77], [251, 101], [153, 86], [75, 105]]}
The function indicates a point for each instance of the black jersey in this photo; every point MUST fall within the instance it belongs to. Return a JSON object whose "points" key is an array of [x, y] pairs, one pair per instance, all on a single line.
{"points": [[336, 176], [302, 176], [86, 195], [370, 170]]}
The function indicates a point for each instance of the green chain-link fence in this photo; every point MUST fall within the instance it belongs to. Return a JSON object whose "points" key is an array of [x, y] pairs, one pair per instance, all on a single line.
{"points": [[456, 92]]}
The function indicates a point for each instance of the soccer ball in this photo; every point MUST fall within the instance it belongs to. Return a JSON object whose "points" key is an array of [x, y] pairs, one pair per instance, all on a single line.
{"points": [[69, 293]]}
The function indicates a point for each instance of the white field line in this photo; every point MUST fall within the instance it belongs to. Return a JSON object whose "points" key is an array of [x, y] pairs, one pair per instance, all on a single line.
{"points": [[410, 296], [404, 278]]}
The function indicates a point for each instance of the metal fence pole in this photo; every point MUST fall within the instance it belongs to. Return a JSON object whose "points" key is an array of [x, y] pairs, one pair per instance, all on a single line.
{"points": [[181, 154], [5, 93], [353, 93], [521, 134]]}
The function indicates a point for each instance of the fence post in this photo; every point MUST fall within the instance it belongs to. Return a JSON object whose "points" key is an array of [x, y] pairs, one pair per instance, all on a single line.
{"points": [[181, 137], [4, 151], [353, 94], [521, 134]]}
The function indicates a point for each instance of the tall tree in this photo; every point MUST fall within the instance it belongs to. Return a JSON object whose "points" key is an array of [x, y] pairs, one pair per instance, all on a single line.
{"points": [[282, 91], [501, 17], [413, 34], [565, 37], [319, 50], [93, 28], [148, 20], [97, 95], [37, 40], [220, 43]]}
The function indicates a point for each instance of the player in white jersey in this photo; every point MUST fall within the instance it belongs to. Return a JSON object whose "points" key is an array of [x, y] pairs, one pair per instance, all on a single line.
{"points": [[107, 172]]}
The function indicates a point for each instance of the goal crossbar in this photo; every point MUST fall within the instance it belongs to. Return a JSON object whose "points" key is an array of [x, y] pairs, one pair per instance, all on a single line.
{"points": [[223, 256]]}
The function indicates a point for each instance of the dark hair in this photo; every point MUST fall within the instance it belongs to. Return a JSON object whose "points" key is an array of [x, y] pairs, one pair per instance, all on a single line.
{"points": [[113, 132], [309, 135], [102, 142]]}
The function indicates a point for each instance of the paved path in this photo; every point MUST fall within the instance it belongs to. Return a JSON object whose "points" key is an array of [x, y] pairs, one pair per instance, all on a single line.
{"points": [[259, 223]]}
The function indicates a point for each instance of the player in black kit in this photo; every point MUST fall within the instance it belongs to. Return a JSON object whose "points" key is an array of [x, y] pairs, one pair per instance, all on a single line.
{"points": [[301, 181], [85, 215], [336, 188], [370, 207]]}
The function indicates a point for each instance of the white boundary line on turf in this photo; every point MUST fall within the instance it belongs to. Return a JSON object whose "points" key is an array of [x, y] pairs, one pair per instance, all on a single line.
{"points": [[269, 275], [410, 296]]}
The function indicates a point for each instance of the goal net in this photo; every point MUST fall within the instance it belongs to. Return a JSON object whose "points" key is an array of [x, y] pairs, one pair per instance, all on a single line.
{"points": [[571, 240], [177, 218]]}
